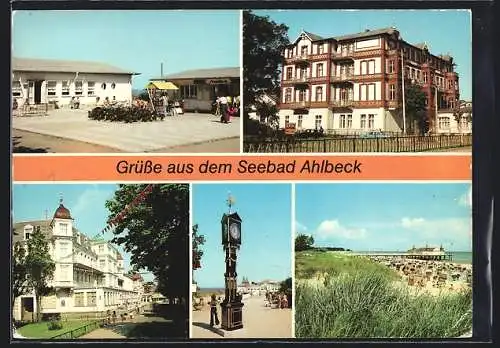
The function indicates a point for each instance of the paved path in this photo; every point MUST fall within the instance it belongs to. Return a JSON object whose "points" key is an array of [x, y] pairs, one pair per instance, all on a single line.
{"points": [[258, 322], [176, 131]]}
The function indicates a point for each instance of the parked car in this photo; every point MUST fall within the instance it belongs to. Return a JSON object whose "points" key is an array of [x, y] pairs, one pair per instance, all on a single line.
{"points": [[374, 134]]}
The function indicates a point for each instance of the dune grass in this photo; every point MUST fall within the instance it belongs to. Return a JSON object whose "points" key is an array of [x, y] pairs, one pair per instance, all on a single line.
{"points": [[361, 302]]}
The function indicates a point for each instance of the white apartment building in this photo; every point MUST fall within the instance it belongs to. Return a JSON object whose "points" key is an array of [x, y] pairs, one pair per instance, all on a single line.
{"points": [[89, 275], [46, 81], [447, 122]]}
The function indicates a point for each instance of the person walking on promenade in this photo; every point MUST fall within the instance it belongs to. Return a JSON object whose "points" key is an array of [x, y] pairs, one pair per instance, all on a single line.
{"points": [[213, 311]]}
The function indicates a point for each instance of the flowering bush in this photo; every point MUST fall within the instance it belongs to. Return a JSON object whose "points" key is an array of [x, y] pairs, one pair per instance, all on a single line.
{"points": [[124, 114]]}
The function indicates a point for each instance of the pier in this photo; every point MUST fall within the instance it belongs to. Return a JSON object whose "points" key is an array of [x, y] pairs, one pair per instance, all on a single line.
{"points": [[428, 255]]}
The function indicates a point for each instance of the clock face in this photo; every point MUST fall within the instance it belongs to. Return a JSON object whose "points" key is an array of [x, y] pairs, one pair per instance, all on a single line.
{"points": [[234, 230]]}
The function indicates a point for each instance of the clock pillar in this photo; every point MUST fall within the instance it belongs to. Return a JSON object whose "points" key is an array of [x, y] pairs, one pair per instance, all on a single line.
{"points": [[231, 306]]}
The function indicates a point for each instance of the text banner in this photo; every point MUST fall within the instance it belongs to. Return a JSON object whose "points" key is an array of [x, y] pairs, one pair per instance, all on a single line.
{"points": [[240, 168]]}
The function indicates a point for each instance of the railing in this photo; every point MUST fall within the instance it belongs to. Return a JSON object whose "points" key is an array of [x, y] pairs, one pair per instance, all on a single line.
{"points": [[340, 103], [296, 105], [342, 77], [342, 54], [389, 144], [80, 331], [299, 58]]}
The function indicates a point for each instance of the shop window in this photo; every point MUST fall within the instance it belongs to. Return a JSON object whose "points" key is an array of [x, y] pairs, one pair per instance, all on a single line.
{"points": [[16, 89], [90, 88], [78, 87], [51, 88], [65, 89]]}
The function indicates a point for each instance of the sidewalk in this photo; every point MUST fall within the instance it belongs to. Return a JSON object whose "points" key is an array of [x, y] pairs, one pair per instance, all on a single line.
{"points": [[174, 131], [258, 322]]}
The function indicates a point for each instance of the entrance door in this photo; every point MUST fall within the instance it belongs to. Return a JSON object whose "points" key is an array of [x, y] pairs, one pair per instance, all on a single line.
{"points": [[27, 309], [31, 92], [38, 92]]}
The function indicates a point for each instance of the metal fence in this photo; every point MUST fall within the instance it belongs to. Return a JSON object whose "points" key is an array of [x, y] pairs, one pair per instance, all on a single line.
{"points": [[80, 331], [389, 144]]}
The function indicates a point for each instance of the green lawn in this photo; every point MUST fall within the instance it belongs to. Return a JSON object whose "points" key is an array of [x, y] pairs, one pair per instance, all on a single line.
{"points": [[41, 330]]}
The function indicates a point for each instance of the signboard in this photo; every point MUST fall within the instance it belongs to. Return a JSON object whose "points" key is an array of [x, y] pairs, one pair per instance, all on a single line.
{"points": [[217, 81], [290, 129]]}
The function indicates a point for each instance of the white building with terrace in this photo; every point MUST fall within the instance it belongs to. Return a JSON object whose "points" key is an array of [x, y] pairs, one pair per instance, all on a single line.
{"points": [[48, 82], [89, 277]]}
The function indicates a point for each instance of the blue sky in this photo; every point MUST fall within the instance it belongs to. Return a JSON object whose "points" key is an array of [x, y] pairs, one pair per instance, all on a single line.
{"points": [[132, 40], [85, 202], [445, 31], [266, 228], [385, 217]]}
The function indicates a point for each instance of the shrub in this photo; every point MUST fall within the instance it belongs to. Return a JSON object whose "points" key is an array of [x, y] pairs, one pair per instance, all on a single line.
{"points": [[55, 325], [124, 114]]}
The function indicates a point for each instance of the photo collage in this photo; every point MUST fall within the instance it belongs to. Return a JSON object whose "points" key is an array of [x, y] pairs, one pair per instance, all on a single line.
{"points": [[276, 175]]}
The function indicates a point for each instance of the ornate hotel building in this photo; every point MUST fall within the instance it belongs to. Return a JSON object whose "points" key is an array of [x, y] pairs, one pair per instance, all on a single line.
{"points": [[89, 276], [353, 83]]}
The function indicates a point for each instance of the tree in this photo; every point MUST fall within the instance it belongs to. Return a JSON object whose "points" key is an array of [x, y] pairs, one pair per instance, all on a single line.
{"points": [[303, 242], [415, 108], [19, 272], [156, 233], [39, 267], [263, 43], [198, 241]]}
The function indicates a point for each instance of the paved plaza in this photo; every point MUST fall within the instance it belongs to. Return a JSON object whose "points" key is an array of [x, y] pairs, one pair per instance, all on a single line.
{"points": [[173, 132], [259, 321]]}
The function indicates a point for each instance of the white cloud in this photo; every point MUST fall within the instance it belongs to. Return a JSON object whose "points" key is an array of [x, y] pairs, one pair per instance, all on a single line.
{"points": [[466, 199], [89, 199], [299, 227], [412, 222], [330, 229], [455, 232]]}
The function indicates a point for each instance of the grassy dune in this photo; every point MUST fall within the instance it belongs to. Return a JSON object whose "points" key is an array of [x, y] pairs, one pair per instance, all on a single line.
{"points": [[359, 300]]}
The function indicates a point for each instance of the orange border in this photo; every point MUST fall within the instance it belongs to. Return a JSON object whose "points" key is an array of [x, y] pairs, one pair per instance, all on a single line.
{"points": [[104, 168]]}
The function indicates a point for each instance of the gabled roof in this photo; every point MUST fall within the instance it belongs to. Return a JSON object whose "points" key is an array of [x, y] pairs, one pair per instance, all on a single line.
{"points": [[210, 73], [367, 33], [73, 66], [313, 37]]}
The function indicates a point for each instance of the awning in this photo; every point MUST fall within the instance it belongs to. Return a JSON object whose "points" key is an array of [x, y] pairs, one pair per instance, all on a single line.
{"points": [[163, 85]]}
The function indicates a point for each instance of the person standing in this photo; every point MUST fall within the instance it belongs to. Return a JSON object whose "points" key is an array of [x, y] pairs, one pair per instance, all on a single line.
{"points": [[213, 311], [223, 108], [164, 99]]}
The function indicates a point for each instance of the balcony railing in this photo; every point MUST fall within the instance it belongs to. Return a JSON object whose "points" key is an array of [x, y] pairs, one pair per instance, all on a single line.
{"points": [[296, 105], [346, 54], [342, 77], [343, 103], [299, 58], [297, 80]]}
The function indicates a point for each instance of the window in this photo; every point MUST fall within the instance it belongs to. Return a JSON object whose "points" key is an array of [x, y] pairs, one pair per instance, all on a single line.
{"points": [[51, 88], [287, 120], [363, 121], [63, 228], [319, 93], [16, 89], [303, 50], [101, 248], [63, 249], [91, 299], [64, 273], [390, 66], [299, 121], [90, 88], [78, 298], [78, 87], [418, 76], [113, 85], [317, 122], [288, 95], [321, 49], [302, 95], [363, 90], [425, 77], [349, 121], [289, 73], [102, 264], [371, 67], [392, 92], [103, 85], [303, 73], [319, 70], [444, 123], [342, 121], [65, 88], [364, 67], [371, 121], [189, 91]]}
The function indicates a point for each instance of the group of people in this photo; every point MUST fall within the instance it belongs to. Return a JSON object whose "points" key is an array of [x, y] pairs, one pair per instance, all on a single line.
{"points": [[279, 299], [226, 107]]}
